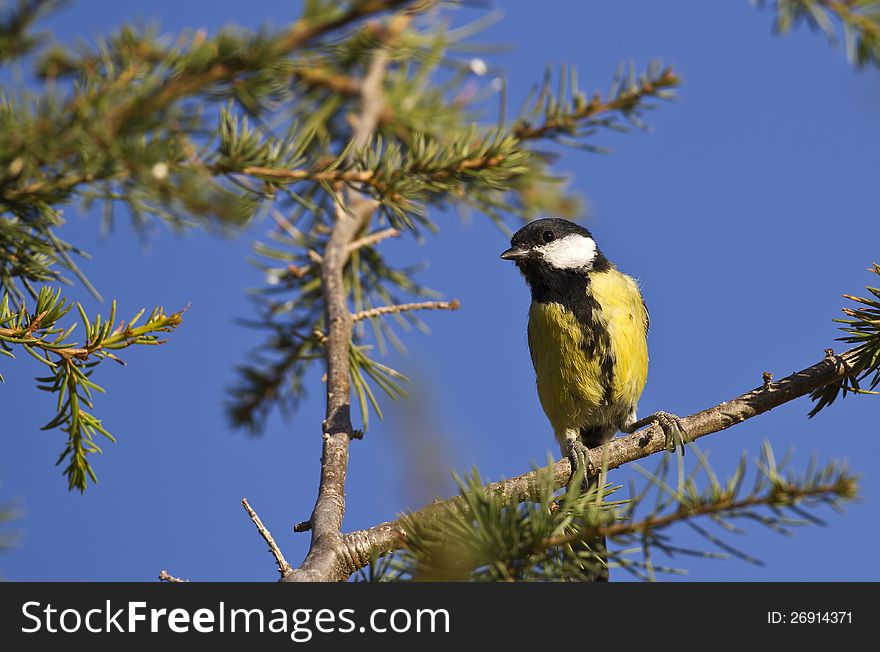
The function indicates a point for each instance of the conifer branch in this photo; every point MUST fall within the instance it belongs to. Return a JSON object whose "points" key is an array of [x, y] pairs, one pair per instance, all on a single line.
{"points": [[483, 536], [16, 38], [842, 487], [389, 536], [71, 365], [859, 19], [626, 100], [384, 183], [297, 34]]}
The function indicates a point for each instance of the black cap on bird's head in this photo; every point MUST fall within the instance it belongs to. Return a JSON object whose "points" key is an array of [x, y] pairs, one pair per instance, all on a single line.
{"points": [[553, 244]]}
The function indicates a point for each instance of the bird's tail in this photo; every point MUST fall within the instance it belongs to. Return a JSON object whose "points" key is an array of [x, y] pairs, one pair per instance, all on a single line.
{"points": [[591, 438]]}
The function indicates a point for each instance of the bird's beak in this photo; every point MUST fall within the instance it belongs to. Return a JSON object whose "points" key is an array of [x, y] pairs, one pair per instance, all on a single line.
{"points": [[514, 254]]}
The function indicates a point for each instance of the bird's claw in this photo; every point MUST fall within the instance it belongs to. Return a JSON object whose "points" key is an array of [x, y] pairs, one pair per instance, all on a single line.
{"points": [[673, 429], [579, 457]]}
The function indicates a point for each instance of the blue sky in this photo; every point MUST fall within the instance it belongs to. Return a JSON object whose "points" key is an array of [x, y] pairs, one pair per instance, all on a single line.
{"points": [[746, 212]]}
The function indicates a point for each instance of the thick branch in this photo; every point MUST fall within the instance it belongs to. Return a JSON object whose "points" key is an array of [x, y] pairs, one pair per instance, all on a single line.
{"points": [[389, 536], [323, 561]]}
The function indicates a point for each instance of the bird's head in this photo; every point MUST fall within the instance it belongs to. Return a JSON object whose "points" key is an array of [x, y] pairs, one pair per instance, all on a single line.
{"points": [[553, 245]]}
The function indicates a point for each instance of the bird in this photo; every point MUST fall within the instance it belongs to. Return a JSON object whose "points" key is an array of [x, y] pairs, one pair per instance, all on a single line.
{"points": [[587, 334], [588, 340]]}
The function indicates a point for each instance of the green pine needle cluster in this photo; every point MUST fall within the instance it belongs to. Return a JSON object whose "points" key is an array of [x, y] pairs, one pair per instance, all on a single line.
{"points": [[859, 20], [862, 328], [17, 37], [484, 537], [70, 365]]}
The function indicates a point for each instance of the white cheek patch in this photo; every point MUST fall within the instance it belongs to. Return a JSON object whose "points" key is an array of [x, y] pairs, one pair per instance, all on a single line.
{"points": [[571, 252]]}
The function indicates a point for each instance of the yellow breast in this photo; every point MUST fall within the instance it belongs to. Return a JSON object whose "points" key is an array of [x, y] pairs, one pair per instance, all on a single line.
{"points": [[571, 383], [626, 318]]}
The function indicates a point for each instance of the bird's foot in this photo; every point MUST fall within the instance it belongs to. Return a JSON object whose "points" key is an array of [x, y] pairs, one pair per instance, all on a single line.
{"points": [[579, 457], [673, 429]]}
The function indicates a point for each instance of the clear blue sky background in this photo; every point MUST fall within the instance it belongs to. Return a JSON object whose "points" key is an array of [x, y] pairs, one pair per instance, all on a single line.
{"points": [[746, 213]]}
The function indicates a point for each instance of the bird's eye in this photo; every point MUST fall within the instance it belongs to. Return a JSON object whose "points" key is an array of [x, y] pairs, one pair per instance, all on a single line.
{"points": [[548, 236]]}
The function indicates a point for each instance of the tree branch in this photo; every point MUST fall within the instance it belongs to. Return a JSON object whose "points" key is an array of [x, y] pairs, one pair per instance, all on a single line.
{"points": [[189, 83], [389, 536], [455, 304], [373, 239], [323, 562], [283, 566], [298, 34], [625, 101], [382, 182], [658, 522]]}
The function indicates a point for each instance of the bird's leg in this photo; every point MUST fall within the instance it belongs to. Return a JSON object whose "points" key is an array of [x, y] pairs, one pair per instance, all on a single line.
{"points": [[577, 453], [672, 427]]}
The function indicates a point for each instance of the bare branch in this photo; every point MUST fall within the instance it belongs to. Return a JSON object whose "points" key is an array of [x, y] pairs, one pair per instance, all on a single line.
{"points": [[373, 239], [455, 304], [283, 566]]}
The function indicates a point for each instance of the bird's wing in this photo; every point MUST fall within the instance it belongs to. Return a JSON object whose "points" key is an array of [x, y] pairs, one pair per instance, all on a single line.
{"points": [[531, 345]]}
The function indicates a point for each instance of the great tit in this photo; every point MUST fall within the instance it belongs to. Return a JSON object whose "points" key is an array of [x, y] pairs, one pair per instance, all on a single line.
{"points": [[587, 332]]}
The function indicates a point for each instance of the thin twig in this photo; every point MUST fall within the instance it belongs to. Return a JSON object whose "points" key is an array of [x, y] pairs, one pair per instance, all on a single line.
{"points": [[283, 566], [372, 239], [455, 304]]}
